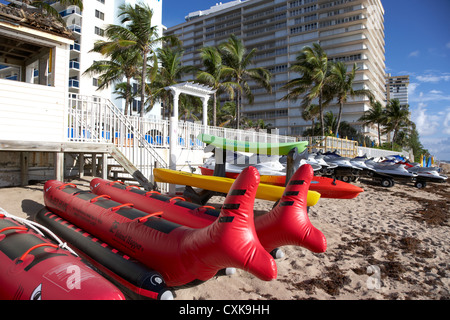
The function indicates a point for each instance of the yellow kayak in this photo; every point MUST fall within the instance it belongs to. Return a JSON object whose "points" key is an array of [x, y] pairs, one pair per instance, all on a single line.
{"points": [[221, 184]]}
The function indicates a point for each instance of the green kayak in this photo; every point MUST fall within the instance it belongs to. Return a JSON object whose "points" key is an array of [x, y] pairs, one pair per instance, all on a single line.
{"points": [[281, 148]]}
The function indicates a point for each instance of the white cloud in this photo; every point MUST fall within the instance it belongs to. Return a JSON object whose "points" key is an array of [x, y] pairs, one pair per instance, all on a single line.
{"points": [[434, 78], [414, 53], [439, 147], [412, 88], [426, 123], [446, 128], [433, 95]]}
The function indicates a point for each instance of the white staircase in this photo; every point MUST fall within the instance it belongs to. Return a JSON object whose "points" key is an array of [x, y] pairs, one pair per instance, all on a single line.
{"points": [[95, 119]]}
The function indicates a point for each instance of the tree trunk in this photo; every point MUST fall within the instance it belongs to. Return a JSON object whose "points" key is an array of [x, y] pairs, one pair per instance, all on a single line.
{"points": [[214, 110], [379, 135], [143, 75], [238, 109], [321, 114], [128, 96], [341, 105]]}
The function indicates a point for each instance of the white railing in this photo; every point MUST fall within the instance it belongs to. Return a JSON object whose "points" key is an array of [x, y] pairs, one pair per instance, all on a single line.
{"points": [[379, 153], [95, 119], [345, 147]]}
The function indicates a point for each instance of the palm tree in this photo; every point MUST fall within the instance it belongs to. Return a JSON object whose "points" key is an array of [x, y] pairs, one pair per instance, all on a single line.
{"points": [[137, 33], [313, 67], [236, 57], [227, 114], [124, 90], [189, 106], [121, 64], [397, 118], [375, 115], [45, 5], [310, 113], [170, 71], [214, 74], [329, 121], [341, 83]]}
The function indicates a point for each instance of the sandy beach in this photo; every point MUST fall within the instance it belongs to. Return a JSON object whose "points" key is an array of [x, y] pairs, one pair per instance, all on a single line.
{"points": [[386, 244]]}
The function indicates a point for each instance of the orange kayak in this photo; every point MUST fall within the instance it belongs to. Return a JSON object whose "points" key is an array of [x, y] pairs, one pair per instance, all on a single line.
{"points": [[327, 187]]}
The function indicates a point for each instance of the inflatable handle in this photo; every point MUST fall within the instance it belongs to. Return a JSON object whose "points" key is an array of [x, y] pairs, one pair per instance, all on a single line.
{"points": [[130, 187], [144, 218], [100, 196], [152, 192], [121, 206], [66, 184], [14, 228], [175, 198], [35, 247], [206, 207], [117, 181]]}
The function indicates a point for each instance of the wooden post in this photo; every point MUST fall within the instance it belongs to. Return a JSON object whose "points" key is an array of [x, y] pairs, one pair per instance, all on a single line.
{"points": [[105, 166], [23, 169], [59, 166], [94, 164], [81, 164]]}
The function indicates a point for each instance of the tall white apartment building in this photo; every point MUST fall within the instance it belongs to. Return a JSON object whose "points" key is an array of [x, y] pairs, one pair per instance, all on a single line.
{"points": [[397, 88], [89, 26], [349, 30]]}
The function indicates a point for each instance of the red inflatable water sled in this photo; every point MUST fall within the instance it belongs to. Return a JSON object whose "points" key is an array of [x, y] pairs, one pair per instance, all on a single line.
{"points": [[35, 268], [133, 278], [182, 255], [327, 187], [286, 224]]}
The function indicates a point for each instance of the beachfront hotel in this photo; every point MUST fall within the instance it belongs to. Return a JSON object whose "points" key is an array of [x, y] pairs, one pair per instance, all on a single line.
{"points": [[397, 88], [88, 26], [349, 30]]}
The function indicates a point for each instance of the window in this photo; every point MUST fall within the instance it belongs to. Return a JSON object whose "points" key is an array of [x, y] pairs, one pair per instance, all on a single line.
{"points": [[136, 106], [99, 31], [9, 72], [95, 82], [26, 62], [100, 15], [101, 1]]}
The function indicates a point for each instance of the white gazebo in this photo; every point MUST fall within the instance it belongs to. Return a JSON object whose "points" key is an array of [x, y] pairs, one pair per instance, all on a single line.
{"points": [[193, 89]]}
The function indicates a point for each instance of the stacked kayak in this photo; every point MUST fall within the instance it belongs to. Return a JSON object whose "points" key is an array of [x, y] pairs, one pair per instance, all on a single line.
{"points": [[279, 148], [326, 187], [223, 184]]}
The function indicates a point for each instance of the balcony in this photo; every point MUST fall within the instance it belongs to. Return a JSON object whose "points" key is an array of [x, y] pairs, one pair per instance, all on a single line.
{"points": [[74, 83], [70, 11], [75, 47], [74, 65], [75, 28]]}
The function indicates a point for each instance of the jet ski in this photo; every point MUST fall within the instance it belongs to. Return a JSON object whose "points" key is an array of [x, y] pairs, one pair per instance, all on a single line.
{"points": [[387, 172], [318, 158], [344, 169], [304, 158], [268, 165], [360, 162], [427, 174]]}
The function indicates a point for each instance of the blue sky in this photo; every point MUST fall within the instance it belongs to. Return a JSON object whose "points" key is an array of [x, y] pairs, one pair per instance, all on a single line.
{"points": [[417, 35]]}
